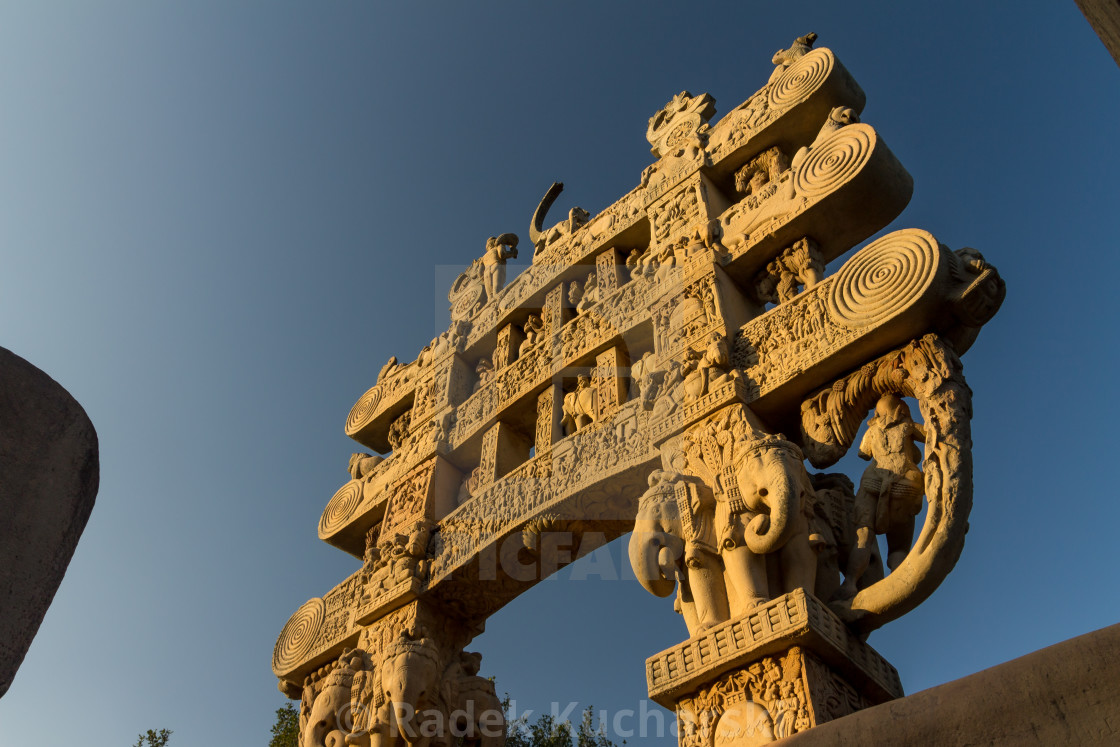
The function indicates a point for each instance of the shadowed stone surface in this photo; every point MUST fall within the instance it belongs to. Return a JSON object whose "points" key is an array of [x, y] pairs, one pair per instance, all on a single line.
{"points": [[1104, 17], [1064, 694], [48, 481]]}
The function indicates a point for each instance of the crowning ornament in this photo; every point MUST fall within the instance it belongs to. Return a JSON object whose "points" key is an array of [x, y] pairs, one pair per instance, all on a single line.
{"points": [[666, 367]]}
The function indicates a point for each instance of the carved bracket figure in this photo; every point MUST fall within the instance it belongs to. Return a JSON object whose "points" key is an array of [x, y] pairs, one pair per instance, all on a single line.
{"points": [[929, 371]]}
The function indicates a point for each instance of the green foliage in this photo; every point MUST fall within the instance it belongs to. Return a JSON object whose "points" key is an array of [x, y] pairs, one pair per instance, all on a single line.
{"points": [[285, 732], [588, 736], [547, 732], [153, 738]]}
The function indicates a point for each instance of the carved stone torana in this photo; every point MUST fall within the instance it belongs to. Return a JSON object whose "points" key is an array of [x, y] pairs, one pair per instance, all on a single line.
{"points": [[666, 368]]}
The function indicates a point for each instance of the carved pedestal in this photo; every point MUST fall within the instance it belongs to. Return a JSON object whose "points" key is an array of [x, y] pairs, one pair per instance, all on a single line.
{"points": [[788, 665]]}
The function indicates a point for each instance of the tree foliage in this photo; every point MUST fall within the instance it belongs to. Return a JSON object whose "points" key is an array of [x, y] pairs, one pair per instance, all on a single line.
{"points": [[285, 732], [153, 738], [546, 731]]}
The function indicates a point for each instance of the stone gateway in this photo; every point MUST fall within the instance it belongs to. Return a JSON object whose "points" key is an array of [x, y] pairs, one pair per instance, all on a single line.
{"points": [[674, 367]]}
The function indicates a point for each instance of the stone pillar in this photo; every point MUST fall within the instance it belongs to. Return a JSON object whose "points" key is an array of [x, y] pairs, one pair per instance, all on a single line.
{"points": [[510, 338], [550, 411], [556, 310], [503, 449], [610, 267], [610, 382], [784, 667]]}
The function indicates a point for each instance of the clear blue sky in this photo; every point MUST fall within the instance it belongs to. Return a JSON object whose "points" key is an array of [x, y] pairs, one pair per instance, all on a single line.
{"points": [[217, 221]]}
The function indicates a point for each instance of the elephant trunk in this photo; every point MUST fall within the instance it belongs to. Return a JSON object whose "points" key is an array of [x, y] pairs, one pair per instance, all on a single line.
{"points": [[767, 533], [315, 734], [652, 553]]}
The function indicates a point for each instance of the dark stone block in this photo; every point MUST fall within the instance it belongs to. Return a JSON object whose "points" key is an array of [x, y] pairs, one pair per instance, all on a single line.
{"points": [[49, 474]]}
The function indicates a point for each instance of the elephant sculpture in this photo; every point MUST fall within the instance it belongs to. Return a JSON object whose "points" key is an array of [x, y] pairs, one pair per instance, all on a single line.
{"points": [[323, 726], [409, 677], [666, 548], [735, 515], [770, 517]]}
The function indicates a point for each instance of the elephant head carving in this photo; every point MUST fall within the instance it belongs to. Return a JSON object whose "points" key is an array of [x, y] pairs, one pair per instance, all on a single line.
{"points": [[772, 484], [672, 542], [656, 544], [410, 675], [324, 726]]}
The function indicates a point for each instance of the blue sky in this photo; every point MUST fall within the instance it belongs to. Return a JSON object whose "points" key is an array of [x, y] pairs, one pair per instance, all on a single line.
{"points": [[218, 220]]}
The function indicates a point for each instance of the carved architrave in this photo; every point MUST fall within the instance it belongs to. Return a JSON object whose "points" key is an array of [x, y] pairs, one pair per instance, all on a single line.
{"points": [[889, 292]]}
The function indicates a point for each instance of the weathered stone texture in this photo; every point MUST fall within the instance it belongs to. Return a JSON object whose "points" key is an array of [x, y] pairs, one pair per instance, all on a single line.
{"points": [[48, 481], [1064, 694]]}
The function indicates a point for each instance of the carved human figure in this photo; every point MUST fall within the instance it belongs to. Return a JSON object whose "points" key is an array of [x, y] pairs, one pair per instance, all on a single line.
{"points": [[404, 557], [590, 295], [800, 264], [763, 169], [665, 263], [484, 369], [468, 487], [644, 379], [711, 368], [498, 250], [575, 293], [667, 394], [532, 330], [890, 492], [633, 260], [579, 406], [398, 431]]}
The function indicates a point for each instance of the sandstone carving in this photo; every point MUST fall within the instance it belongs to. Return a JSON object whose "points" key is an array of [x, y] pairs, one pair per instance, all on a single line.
{"points": [[577, 218], [667, 368]]}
